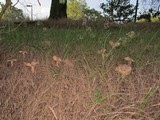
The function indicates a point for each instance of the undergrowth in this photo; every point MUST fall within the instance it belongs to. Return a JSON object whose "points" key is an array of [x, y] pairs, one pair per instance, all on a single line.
{"points": [[73, 74]]}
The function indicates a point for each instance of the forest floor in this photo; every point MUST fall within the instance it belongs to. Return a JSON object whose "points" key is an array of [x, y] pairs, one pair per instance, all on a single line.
{"points": [[80, 73]]}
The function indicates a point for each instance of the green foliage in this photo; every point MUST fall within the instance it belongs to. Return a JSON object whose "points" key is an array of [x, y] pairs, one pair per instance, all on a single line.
{"points": [[75, 9], [149, 16], [12, 14], [118, 10], [142, 20], [92, 13], [155, 19]]}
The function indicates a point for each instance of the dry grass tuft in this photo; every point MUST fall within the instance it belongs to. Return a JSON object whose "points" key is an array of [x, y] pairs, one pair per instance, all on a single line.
{"points": [[69, 92]]}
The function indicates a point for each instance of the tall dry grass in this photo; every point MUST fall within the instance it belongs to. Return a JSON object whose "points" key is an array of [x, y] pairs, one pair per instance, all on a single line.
{"points": [[76, 91], [79, 83]]}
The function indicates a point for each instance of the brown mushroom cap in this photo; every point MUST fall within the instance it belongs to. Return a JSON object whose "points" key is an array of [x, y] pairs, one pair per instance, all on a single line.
{"points": [[123, 69], [12, 61], [128, 59], [23, 52], [56, 59]]}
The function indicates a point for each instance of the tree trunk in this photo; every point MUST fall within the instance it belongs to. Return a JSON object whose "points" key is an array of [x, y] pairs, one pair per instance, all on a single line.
{"points": [[58, 9], [136, 10], [112, 18]]}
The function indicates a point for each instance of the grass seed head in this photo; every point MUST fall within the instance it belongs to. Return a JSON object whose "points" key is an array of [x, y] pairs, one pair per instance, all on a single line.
{"points": [[84, 23], [131, 34], [114, 44], [106, 25], [102, 51], [88, 29]]}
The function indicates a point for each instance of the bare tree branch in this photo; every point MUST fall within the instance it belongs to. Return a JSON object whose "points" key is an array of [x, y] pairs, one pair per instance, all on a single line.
{"points": [[16, 3], [8, 3], [39, 2]]}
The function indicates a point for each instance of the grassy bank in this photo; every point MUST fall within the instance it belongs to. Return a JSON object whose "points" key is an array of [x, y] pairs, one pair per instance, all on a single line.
{"points": [[72, 74]]}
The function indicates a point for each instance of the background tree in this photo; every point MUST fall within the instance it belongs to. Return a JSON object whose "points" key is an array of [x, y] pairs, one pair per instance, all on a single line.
{"points": [[12, 14], [136, 10], [92, 13], [4, 8], [8, 4], [151, 11], [76, 8], [58, 9], [118, 10]]}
